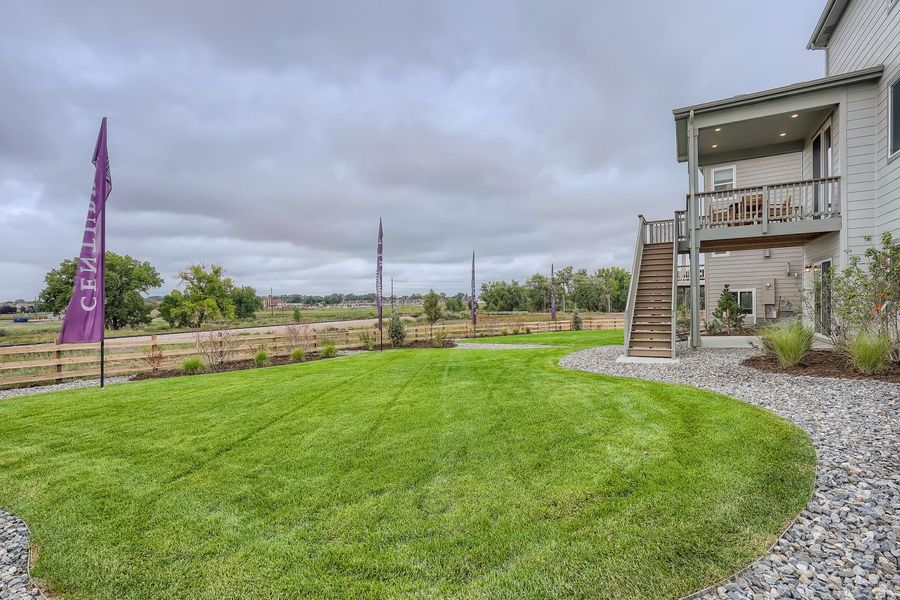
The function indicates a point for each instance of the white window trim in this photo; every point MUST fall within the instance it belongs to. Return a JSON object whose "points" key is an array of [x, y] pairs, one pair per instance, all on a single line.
{"points": [[890, 128], [751, 315], [712, 177]]}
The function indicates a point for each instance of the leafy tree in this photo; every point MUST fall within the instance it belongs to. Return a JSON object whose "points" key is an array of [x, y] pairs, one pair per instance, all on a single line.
{"points": [[588, 291], [564, 280], [537, 293], [296, 315], [503, 296], [207, 296], [727, 316], [125, 280], [246, 302], [7, 309], [616, 281], [431, 306], [454, 303]]}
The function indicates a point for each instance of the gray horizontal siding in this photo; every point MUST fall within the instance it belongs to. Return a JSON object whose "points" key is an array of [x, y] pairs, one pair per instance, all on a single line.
{"points": [[868, 35], [760, 171], [750, 269]]}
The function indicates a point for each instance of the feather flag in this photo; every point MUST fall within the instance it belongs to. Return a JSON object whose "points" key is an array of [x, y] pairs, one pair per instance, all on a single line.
{"points": [[85, 315], [474, 303], [552, 294], [378, 276]]}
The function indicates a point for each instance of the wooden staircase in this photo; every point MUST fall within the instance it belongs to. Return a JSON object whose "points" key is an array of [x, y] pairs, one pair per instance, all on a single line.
{"points": [[649, 317]]}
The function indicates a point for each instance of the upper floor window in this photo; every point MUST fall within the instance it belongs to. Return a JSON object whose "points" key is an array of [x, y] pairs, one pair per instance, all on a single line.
{"points": [[894, 119], [723, 179]]}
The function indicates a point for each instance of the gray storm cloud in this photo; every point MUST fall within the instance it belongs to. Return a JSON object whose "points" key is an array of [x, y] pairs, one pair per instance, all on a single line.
{"points": [[270, 140]]}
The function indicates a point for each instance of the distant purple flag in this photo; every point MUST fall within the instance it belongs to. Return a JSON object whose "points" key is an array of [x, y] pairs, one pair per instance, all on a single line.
{"points": [[474, 307], [85, 315], [552, 294], [378, 279]]}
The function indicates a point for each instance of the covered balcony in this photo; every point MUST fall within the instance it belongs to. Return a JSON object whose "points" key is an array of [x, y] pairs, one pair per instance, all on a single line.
{"points": [[808, 121]]}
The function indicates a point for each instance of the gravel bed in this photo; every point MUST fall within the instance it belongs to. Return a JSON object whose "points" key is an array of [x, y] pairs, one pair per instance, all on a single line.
{"points": [[469, 346], [69, 385], [844, 544], [15, 584]]}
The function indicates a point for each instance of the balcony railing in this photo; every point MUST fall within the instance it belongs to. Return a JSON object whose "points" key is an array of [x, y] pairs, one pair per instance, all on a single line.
{"points": [[777, 203], [684, 275]]}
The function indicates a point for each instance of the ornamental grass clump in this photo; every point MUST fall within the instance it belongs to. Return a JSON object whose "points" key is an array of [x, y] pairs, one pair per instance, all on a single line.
{"points": [[789, 344], [329, 349], [297, 354], [869, 353], [261, 358], [193, 365]]}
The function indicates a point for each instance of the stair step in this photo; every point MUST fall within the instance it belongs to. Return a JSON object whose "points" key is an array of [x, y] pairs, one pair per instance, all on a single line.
{"points": [[650, 353], [652, 329], [651, 344], [649, 321]]}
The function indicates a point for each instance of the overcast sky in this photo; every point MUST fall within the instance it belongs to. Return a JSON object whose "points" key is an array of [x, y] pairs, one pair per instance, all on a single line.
{"points": [[269, 137]]}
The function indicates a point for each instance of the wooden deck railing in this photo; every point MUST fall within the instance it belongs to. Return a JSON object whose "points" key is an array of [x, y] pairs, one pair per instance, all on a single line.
{"points": [[47, 363], [774, 203]]}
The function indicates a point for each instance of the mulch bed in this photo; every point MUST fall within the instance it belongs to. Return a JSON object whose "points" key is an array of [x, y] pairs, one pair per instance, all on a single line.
{"points": [[821, 363], [275, 361]]}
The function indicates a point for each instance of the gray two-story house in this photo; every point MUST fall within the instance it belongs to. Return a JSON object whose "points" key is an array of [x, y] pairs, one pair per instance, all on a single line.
{"points": [[845, 130]]}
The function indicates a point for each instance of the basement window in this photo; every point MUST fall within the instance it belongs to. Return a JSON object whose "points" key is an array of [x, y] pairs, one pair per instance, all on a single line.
{"points": [[745, 299]]}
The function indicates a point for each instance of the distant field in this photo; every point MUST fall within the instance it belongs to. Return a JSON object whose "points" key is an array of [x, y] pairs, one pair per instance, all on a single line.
{"points": [[39, 332]]}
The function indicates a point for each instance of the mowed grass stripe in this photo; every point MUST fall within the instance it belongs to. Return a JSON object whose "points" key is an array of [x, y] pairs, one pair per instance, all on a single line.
{"points": [[424, 473]]}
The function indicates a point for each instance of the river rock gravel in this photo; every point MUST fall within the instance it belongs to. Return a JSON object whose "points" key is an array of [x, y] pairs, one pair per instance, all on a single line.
{"points": [[56, 387], [15, 583], [844, 544]]}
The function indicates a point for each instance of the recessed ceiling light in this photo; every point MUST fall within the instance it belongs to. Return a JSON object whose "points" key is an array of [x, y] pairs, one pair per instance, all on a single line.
{"points": [[794, 116], [782, 134], [718, 129], [715, 145]]}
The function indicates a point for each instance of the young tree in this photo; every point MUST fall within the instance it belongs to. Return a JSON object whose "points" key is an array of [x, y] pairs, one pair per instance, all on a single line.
{"points": [[126, 279], [207, 296], [564, 279], [396, 331], [728, 316], [246, 302], [431, 305]]}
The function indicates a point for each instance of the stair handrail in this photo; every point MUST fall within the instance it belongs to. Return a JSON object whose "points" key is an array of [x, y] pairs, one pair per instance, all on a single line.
{"points": [[674, 280], [633, 285]]}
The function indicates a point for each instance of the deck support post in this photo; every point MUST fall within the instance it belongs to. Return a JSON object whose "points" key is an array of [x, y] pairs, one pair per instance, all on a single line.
{"points": [[693, 225]]}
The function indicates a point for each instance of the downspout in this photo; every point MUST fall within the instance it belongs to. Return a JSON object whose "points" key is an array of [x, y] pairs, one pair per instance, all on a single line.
{"points": [[693, 223]]}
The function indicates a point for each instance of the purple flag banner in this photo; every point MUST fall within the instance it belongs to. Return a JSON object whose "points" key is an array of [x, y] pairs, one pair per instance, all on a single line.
{"points": [[474, 303], [85, 315], [552, 294], [378, 277]]}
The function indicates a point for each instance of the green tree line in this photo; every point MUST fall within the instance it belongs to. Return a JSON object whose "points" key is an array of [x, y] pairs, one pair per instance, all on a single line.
{"points": [[604, 290]]}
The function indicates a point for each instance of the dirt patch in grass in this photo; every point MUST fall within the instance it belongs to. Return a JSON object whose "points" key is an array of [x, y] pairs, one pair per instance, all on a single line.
{"points": [[822, 363]]}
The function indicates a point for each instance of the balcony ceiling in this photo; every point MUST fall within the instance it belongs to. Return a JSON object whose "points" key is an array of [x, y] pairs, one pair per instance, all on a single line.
{"points": [[760, 137]]}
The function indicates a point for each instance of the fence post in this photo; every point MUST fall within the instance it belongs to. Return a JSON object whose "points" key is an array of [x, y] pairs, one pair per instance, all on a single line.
{"points": [[58, 368]]}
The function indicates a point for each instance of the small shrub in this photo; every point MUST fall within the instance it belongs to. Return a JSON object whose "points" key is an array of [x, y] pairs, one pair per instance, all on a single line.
{"points": [[789, 344], [2, 332], [155, 359], [193, 365], [396, 331], [869, 352], [297, 354], [515, 331], [367, 340], [439, 336], [527, 330], [577, 323], [329, 350], [296, 315], [261, 358]]}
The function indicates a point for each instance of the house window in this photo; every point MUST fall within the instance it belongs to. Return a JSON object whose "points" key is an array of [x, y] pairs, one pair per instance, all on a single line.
{"points": [[723, 179], [894, 119], [746, 300]]}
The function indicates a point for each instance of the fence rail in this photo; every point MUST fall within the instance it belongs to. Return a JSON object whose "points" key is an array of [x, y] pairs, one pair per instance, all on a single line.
{"points": [[47, 363]]}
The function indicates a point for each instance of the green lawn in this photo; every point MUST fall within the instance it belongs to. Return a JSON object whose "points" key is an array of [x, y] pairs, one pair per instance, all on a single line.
{"points": [[412, 473]]}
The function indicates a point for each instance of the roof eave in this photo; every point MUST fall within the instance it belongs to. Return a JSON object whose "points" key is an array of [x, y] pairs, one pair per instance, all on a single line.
{"points": [[821, 35], [795, 89]]}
